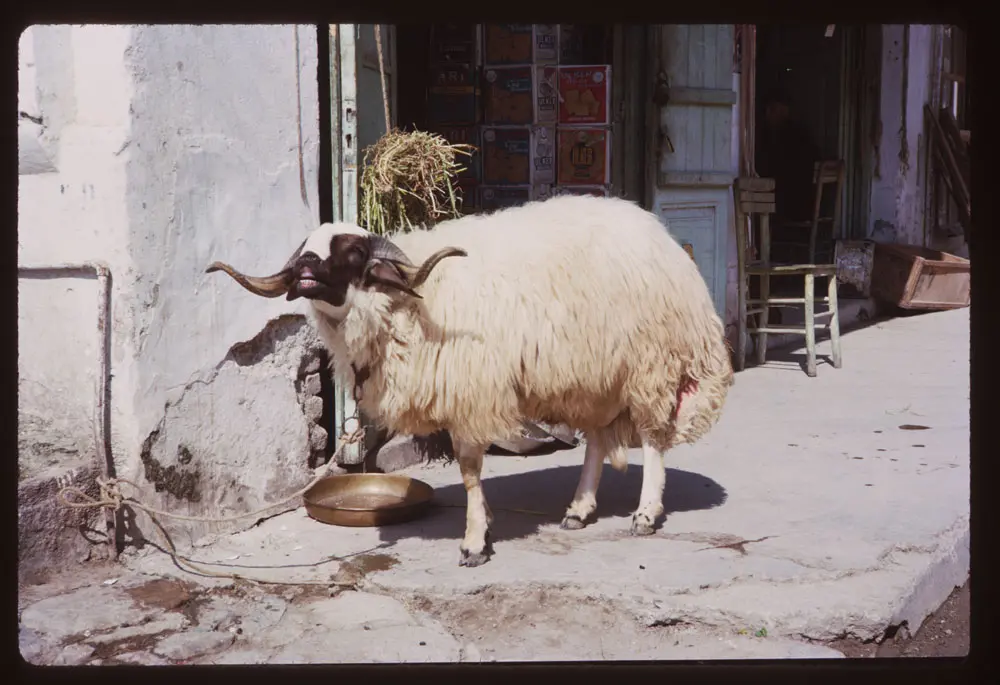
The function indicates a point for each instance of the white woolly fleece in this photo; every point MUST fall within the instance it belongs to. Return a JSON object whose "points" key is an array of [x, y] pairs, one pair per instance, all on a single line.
{"points": [[576, 310]]}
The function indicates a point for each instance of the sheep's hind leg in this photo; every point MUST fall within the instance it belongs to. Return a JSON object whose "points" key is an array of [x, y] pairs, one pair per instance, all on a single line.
{"points": [[585, 501], [654, 478], [476, 548]]}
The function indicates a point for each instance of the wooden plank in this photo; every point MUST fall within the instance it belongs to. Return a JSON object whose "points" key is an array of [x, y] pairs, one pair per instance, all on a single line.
{"points": [[784, 329], [709, 52], [794, 269], [693, 153], [724, 67], [696, 66], [779, 328], [755, 196], [703, 97], [705, 179], [757, 207], [676, 47], [755, 184], [787, 300], [720, 123]]}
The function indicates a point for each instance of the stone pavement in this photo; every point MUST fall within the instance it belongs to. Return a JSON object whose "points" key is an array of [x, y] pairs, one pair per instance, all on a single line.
{"points": [[818, 508]]}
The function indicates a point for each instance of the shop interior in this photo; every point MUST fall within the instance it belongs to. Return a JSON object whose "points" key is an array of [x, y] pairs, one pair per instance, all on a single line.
{"points": [[799, 66], [484, 85]]}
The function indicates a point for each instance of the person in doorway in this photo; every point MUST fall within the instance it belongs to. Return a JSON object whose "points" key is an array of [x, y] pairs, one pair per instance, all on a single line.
{"points": [[788, 155]]}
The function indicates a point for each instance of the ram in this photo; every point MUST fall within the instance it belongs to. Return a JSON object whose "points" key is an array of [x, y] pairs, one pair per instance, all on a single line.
{"points": [[576, 310]]}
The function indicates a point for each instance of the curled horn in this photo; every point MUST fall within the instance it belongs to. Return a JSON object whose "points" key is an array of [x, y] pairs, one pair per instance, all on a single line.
{"points": [[384, 249], [275, 285], [417, 276]]}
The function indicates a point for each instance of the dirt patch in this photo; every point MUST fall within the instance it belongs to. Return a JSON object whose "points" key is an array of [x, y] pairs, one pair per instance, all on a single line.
{"points": [[945, 633], [532, 623], [162, 593], [107, 651], [352, 571]]}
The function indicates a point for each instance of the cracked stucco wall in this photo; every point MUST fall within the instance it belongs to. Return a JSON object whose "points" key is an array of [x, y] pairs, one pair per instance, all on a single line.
{"points": [[171, 147], [222, 164], [71, 187], [898, 194]]}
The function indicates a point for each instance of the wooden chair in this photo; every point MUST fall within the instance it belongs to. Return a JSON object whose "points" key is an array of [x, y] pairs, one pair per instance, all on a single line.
{"points": [[828, 173], [754, 198]]}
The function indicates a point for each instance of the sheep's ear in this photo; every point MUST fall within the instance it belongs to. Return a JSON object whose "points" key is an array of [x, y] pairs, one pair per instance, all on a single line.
{"points": [[389, 275]]}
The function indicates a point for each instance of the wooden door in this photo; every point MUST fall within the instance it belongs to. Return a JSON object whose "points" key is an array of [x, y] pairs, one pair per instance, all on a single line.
{"points": [[697, 160]]}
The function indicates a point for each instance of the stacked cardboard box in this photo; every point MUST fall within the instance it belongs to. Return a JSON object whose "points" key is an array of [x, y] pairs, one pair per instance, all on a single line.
{"points": [[542, 122], [454, 100], [584, 129], [519, 117]]}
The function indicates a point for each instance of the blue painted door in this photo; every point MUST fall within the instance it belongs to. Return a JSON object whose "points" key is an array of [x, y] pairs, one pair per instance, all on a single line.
{"points": [[696, 160]]}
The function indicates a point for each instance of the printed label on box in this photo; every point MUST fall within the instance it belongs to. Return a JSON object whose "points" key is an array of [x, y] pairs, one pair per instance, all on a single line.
{"points": [[508, 43], [451, 97], [492, 199], [507, 156], [546, 43], [584, 93], [509, 96], [453, 43], [546, 95], [583, 156], [543, 155]]}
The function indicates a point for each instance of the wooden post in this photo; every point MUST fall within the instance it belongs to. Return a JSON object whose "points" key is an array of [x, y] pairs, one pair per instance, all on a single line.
{"points": [[834, 325], [741, 284], [765, 285], [810, 297]]}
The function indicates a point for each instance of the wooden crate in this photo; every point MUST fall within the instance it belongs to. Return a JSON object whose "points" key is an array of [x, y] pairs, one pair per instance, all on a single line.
{"points": [[914, 277]]}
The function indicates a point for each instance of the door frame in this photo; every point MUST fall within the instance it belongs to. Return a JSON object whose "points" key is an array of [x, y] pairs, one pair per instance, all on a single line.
{"points": [[346, 162]]}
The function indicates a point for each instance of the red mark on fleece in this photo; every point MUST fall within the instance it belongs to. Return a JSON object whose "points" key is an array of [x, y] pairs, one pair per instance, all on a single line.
{"points": [[686, 389]]}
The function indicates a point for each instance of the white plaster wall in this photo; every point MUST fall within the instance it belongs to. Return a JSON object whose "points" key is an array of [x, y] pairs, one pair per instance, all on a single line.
{"points": [[171, 147], [70, 211], [898, 193], [222, 164]]}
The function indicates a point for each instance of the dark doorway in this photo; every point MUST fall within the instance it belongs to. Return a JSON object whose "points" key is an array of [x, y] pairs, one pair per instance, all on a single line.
{"points": [[801, 64]]}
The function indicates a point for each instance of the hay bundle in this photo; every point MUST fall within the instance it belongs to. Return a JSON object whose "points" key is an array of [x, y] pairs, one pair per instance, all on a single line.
{"points": [[410, 181]]}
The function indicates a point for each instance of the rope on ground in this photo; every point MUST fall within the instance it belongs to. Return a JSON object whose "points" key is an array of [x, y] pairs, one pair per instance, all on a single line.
{"points": [[111, 497]]}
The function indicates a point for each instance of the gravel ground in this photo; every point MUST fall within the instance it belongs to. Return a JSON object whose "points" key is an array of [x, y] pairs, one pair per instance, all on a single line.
{"points": [[945, 633]]}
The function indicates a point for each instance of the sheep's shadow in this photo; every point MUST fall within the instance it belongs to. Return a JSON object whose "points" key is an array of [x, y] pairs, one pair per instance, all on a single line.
{"points": [[543, 496]]}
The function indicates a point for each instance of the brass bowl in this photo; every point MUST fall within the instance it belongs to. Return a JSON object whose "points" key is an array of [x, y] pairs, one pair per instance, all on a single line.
{"points": [[367, 499]]}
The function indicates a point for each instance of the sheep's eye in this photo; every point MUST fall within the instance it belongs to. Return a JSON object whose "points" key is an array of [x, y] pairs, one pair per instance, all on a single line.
{"points": [[356, 256]]}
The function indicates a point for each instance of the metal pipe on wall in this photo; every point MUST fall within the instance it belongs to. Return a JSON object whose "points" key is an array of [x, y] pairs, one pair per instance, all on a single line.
{"points": [[105, 457]]}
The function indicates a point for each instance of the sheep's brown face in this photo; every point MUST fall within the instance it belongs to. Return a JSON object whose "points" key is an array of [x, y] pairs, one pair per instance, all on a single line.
{"points": [[335, 258], [327, 280]]}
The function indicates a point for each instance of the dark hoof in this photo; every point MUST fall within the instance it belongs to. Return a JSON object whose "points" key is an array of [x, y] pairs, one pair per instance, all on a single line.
{"points": [[473, 559], [572, 522], [641, 525]]}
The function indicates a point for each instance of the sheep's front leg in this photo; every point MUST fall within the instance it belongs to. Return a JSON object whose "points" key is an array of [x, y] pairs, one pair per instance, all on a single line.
{"points": [[476, 547], [654, 478], [585, 501]]}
